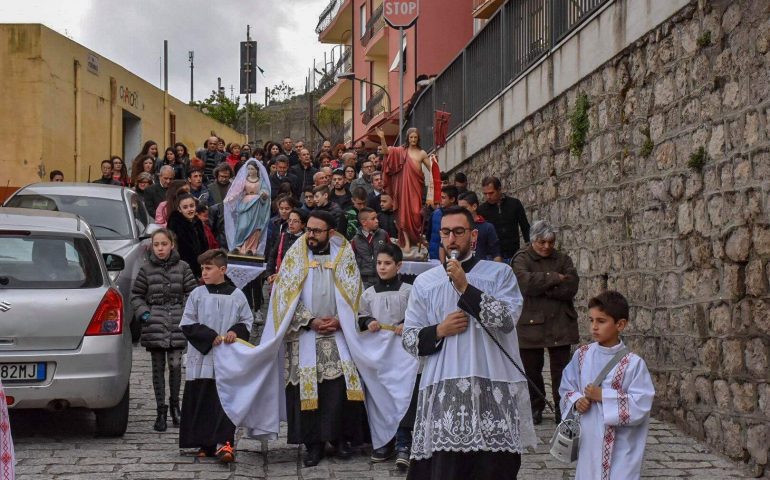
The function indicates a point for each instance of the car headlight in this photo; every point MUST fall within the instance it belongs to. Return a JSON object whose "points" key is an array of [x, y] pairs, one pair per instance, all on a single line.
{"points": [[114, 276]]}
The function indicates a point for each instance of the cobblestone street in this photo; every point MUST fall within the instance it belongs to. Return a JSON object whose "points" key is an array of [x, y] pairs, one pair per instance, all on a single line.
{"points": [[62, 446]]}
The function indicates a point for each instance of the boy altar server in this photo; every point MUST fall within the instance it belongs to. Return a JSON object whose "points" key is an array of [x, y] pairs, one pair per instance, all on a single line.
{"points": [[614, 416], [215, 313]]}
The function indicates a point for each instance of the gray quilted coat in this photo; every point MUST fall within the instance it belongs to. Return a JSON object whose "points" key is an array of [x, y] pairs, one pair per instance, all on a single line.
{"points": [[161, 288]]}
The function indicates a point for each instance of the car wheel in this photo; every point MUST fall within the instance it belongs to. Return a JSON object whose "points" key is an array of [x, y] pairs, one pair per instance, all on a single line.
{"points": [[136, 330], [113, 422]]}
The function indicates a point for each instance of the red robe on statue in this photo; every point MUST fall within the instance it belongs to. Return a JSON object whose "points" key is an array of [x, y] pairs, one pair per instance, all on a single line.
{"points": [[405, 183]]}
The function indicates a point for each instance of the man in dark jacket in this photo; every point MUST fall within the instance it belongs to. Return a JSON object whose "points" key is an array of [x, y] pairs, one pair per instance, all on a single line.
{"points": [[487, 245], [155, 194], [282, 176], [211, 157], [548, 282], [219, 187], [506, 214], [340, 193], [373, 199], [305, 170], [289, 152], [106, 178], [367, 244], [322, 202]]}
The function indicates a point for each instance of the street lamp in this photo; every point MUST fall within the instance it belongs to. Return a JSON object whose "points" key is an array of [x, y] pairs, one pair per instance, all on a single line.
{"points": [[352, 76]]}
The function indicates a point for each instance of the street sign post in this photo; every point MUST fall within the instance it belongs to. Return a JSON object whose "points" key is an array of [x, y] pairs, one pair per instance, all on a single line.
{"points": [[401, 14], [248, 71]]}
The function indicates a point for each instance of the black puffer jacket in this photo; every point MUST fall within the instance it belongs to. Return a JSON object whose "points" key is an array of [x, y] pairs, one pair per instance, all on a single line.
{"points": [[190, 239], [161, 288]]}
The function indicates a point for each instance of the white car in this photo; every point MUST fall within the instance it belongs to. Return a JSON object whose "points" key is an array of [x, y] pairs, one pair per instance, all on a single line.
{"points": [[63, 336], [117, 216]]}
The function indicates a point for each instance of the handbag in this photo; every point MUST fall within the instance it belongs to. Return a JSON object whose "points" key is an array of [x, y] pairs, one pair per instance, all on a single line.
{"points": [[565, 441]]}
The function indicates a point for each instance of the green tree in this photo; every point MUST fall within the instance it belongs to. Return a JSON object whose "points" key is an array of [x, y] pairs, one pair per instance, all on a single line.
{"points": [[220, 108]]}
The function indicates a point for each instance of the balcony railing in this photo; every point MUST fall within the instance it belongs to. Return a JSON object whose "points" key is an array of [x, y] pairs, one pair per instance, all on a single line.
{"points": [[373, 25], [374, 106], [520, 34], [328, 14], [344, 63]]}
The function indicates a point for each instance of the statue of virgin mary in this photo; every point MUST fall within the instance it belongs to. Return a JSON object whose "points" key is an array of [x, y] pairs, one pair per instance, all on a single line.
{"points": [[247, 209]]}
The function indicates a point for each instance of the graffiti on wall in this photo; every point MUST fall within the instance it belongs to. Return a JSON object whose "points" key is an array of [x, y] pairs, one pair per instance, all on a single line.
{"points": [[128, 96]]}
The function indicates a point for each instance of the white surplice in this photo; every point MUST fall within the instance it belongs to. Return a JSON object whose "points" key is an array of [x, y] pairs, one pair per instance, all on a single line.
{"points": [[471, 397], [612, 433]]}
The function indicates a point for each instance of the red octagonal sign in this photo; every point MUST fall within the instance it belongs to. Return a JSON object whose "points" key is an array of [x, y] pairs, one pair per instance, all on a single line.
{"points": [[401, 13]]}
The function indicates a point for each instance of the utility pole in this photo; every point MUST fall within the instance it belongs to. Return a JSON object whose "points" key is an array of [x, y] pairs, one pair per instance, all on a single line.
{"points": [[191, 56], [165, 66]]}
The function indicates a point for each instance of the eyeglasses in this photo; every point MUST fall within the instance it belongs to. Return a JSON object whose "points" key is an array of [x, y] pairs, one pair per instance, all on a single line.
{"points": [[457, 231], [316, 231]]}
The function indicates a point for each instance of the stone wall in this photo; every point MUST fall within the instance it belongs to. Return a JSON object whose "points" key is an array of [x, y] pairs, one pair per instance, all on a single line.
{"points": [[689, 248]]}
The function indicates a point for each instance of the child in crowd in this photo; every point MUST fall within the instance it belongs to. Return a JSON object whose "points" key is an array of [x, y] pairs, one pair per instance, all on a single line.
{"points": [[382, 308], [367, 243], [216, 312], [614, 416], [358, 201], [158, 297], [190, 236], [387, 217], [202, 211]]}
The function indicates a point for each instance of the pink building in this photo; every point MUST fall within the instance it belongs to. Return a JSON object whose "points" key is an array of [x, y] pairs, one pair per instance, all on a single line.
{"points": [[369, 49]]}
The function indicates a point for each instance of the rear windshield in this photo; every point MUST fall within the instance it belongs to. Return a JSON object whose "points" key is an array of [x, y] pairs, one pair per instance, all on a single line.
{"points": [[50, 262], [108, 218]]}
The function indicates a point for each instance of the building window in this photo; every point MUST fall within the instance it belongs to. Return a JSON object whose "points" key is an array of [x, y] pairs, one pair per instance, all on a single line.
{"points": [[362, 17], [363, 88]]}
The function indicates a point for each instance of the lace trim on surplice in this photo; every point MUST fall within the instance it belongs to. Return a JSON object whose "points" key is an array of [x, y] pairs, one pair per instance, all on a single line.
{"points": [[472, 414]]}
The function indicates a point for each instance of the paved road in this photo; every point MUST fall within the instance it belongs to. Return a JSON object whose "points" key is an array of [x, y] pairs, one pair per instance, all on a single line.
{"points": [[62, 446]]}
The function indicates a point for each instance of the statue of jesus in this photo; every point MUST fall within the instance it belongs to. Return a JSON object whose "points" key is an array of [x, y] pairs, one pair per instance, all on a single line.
{"points": [[405, 182]]}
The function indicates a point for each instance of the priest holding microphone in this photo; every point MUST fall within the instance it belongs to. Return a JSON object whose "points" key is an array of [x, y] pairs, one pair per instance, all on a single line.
{"points": [[473, 411]]}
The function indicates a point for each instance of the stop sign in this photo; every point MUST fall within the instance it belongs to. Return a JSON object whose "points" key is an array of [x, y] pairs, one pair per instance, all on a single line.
{"points": [[401, 13]]}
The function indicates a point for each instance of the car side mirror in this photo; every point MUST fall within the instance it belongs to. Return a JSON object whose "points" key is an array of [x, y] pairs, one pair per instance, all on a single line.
{"points": [[151, 228], [114, 263]]}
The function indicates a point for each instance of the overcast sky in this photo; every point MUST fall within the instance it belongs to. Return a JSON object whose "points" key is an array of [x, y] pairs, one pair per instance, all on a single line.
{"points": [[131, 33]]}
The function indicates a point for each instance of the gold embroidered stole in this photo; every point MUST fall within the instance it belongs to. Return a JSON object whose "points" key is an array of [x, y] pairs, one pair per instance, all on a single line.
{"points": [[291, 280]]}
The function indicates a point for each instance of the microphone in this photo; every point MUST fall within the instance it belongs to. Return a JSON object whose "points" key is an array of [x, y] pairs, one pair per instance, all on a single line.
{"points": [[453, 255]]}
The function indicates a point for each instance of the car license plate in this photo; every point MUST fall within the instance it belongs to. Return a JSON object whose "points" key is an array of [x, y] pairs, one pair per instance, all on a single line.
{"points": [[22, 372]]}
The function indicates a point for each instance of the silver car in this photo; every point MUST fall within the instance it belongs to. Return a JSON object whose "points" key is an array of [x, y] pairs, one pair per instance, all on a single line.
{"points": [[63, 341], [117, 216]]}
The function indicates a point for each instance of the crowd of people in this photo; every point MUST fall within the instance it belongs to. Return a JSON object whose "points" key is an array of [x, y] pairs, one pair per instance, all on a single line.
{"points": [[445, 374]]}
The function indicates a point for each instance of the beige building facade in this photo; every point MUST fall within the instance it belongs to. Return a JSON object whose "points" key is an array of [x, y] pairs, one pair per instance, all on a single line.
{"points": [[64, 107]]}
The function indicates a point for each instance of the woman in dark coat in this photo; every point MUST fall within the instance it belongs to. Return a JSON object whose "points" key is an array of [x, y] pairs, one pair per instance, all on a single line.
{"points": [[190, 236], [158, 298], [548, 281]]}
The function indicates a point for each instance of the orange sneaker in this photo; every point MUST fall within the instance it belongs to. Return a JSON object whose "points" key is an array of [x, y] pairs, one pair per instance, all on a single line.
{"points": [[226, 454]]}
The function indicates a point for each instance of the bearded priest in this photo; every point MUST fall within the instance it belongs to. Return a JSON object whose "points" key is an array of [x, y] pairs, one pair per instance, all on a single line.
{"points": [[313, 368]]}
